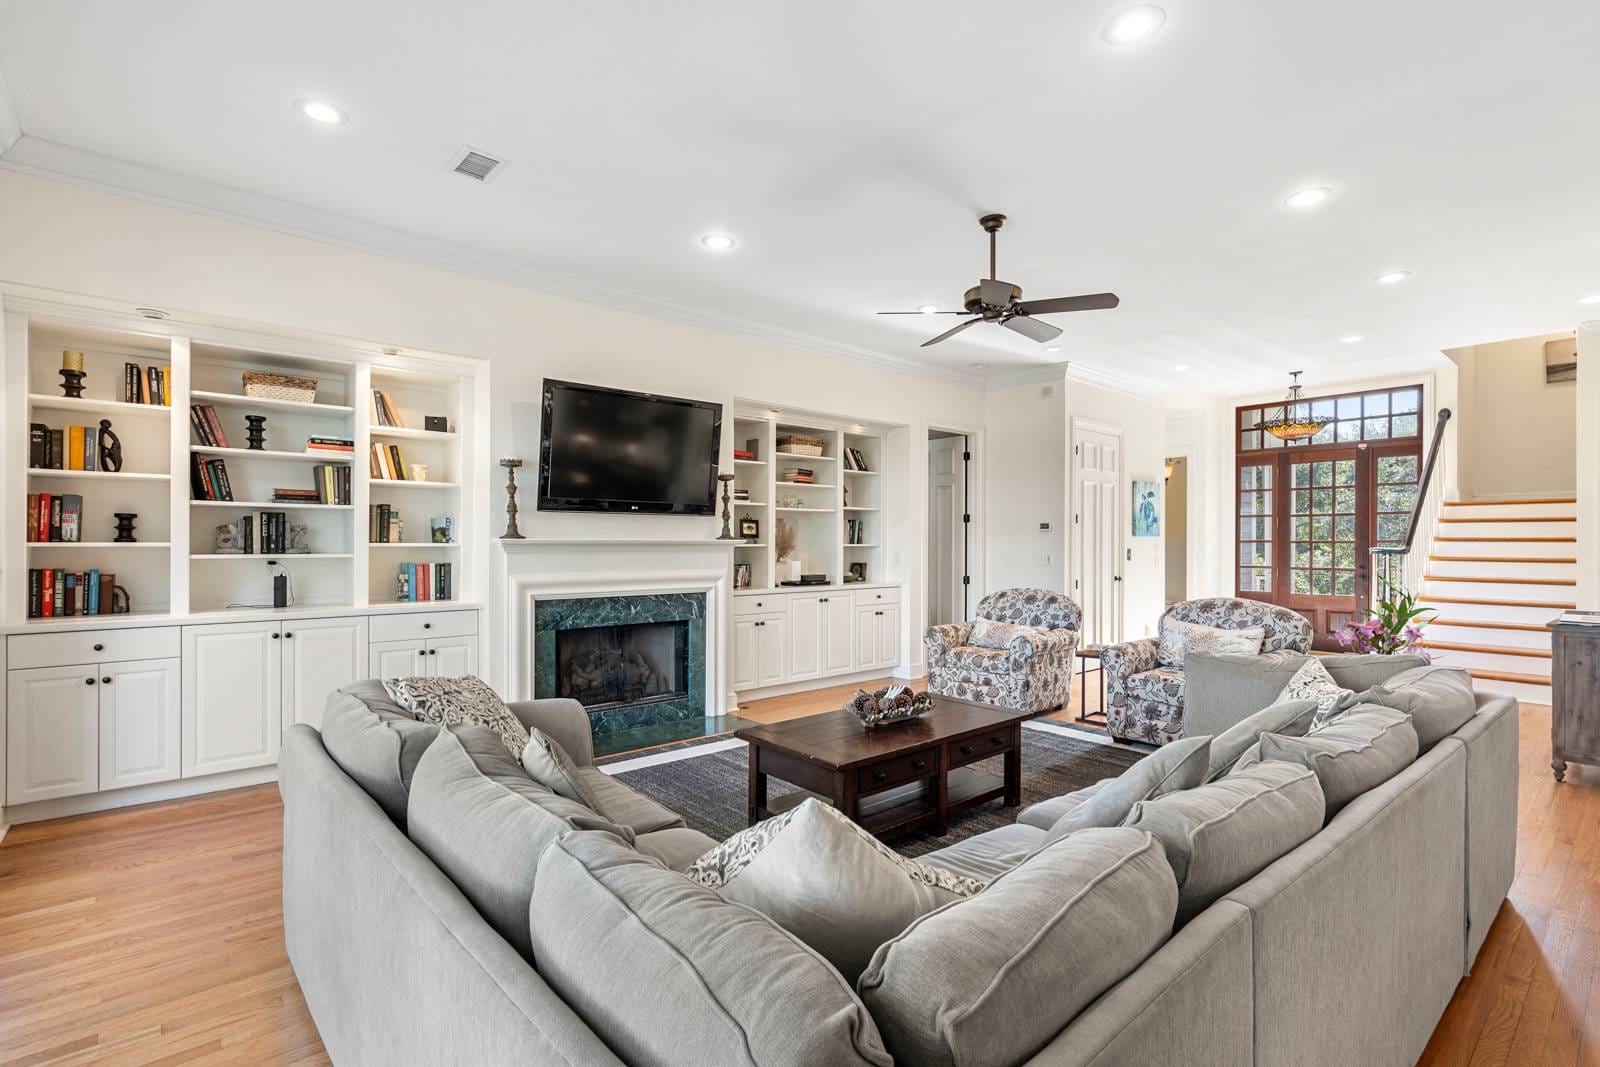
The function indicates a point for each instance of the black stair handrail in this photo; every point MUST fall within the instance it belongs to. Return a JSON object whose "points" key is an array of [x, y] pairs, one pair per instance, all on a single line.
{"points": [[1422, 490]]}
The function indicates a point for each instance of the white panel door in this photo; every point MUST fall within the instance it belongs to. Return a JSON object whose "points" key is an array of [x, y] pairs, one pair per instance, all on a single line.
{"points": [[452, 657], [1097, 532], [141, 722], [866, 638], [947, 531], [744, 653], [839, 646], [397, 659], [52, 733], [772, 644], [888, 635], [805, 637], [320, 656], [232, 693]]}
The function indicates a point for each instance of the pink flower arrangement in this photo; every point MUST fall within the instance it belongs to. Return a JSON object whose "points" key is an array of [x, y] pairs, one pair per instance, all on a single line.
{"points": [[1395, 628]]}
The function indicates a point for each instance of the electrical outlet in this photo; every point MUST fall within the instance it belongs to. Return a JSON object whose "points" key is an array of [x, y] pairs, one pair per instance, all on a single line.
{"points": [[1044, 559]]}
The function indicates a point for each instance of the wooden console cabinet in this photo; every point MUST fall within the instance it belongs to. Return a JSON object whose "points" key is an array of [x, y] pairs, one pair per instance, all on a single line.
{"points": [[1575, 703]]}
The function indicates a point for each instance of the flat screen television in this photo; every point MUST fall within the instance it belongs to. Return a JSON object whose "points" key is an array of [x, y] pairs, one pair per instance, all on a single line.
{"points": [[615, 450]]}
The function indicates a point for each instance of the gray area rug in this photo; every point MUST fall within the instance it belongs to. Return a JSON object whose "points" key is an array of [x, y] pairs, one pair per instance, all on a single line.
{"points": [[709, 790]]}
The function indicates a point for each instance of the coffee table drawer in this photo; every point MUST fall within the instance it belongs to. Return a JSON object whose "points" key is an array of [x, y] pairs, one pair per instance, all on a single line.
{"points": [[922, 763], [972, 749]]}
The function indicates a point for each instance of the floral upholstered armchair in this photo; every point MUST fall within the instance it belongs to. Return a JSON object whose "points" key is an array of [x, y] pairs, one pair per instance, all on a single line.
{"points": [[1144, 696], [1016, 654]]}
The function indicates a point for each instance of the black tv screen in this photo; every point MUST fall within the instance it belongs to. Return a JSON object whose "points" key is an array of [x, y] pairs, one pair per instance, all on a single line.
{"points": [[614, 450]]}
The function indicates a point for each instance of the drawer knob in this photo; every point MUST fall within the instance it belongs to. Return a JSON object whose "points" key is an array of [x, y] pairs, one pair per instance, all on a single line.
{"points": [[88, 681], [427, 626], [997, 741], [966, 750], [919, 765], [879, 776], [99, 648]]}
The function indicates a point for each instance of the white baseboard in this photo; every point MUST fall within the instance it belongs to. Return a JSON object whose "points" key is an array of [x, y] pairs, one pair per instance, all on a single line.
{"points": [[60, 807]]}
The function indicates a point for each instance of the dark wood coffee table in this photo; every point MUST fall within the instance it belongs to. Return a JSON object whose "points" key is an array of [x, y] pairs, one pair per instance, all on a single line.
{"points": [[895, 779]]}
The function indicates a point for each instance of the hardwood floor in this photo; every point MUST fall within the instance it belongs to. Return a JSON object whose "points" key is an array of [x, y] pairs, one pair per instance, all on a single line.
{"points": [[154, 935]]}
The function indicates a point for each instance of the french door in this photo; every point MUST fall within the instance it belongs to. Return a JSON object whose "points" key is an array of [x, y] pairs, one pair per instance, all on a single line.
{"points": [[1325, 555]]}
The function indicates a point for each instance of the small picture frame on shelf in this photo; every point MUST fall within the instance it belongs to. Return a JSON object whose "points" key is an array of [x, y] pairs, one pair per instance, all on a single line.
{"points": [[750, 528], [858, 572], [436, 423], [741, 576]]}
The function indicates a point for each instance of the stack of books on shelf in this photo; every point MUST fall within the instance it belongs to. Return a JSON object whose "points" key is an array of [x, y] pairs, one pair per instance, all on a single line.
{"points": [[383, 525], [424, 581], [854, 460], [803, 475], [146, 385], [54, 518], [54, 594], [209, 479], [855, 531], [207, 427], [75, 448], [266, 533], [332, 482], [333, 446], [384, 412], [744, 453], [387, 462]]}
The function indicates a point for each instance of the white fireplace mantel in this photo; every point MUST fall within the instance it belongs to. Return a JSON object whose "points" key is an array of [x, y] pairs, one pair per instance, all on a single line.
{"points": [[534, 569]]}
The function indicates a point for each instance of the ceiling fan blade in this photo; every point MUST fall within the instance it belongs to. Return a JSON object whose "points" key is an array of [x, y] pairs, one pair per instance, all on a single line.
{"points": [[1058, 304], [922, 312], [995, 293], [950, 333], [1032, 329]]}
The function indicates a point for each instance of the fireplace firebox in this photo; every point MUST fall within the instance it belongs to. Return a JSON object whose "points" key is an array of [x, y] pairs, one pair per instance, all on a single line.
{"points": [[605, 667]]}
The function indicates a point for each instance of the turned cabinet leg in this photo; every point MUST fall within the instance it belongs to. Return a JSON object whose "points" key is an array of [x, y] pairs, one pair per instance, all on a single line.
{"points": [[1559, 766]]}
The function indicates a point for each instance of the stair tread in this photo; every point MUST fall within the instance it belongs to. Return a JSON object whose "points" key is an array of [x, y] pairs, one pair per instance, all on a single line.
{"points": [[1508, 676], [1482, 624], [1494, 650], [1523, 500], [1498, 581], [1511, 518], [1510, 540], [1502, 559], [1498, 603]]}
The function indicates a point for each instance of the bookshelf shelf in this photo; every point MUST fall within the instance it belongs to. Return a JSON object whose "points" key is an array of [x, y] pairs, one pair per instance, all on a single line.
{"points": [[270, 505], [282, 557], [818, 511], [414, 544], [750, 544], [125, 476], [409, 484], [852, 507], [262, 453], [749, 463], [98, 545], [799, 456], [864, 474], [46, 402], [803, 485], [847, 544], [200, 396], [408, 433]]}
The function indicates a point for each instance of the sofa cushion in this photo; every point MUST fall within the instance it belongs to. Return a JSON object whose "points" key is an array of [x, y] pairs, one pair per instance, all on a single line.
{"points": [[670, 973], [378, 748], [548, 764], [475, 812], [983, 660], [1046, 813], [1219, 835], [675, 847], [1292, 718], [625, 806], [1313, 682], [1179, 638], [1163, 685], [1173, 767], [986, 633], [1363, 670], [827, 881], [1360, 750], [986, 856], [1224, 688], [991, 979], [1439, 700], [460, 701]]}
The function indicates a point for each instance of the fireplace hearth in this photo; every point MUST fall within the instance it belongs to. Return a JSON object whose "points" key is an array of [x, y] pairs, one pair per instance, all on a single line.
{"points": [[605, 667]]}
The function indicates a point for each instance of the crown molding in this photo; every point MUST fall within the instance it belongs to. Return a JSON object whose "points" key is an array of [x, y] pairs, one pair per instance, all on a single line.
{"points": [[1010, 379], [1112, 383], [58, 162], [10, 128], [1592, 326]]}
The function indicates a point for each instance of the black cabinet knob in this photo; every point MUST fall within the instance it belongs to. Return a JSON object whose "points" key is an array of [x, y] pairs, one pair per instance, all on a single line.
{"points": [[88, 681], [879, 776], [966, 750], [99, 648], [427, 626], [106, 680], [288, 634], [276, 636], [433, 652], [422, 652], [822, 600], [758, 603], [997, 741], [919, 765]]}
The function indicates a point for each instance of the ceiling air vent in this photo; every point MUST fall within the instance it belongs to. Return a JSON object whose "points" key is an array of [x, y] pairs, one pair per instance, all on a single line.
{"points": [[476, 165]]}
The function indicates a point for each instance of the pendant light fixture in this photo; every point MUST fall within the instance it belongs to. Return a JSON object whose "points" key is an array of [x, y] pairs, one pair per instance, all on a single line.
{"points": [[1296, 423]]}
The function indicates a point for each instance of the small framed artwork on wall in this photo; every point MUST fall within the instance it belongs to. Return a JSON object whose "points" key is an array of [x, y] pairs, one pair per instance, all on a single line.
{"points": [[741, 576], [1146, 509]]}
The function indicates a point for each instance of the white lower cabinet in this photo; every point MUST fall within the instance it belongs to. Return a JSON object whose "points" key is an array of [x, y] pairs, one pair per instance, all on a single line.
{"points": [[877, 636], [232, 696], [140, 722], [52, 733], [452, 657], [784, 636], [319, 656], [430, 657]]}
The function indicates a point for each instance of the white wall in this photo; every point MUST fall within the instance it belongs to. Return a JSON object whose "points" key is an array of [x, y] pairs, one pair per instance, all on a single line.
{"points": [[1176, 531], [1026, 479], [1587, 465], [1516, 431], [72, 239]]}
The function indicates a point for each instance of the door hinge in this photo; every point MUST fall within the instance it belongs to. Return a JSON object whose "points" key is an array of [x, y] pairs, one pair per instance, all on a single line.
{"points": [[966, 518], [966, 457], [1074, 520], [966, 579]]}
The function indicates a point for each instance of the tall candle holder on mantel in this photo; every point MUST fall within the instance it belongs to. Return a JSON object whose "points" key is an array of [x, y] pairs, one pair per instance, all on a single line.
{"points": [[727, 515], [511, 463]]}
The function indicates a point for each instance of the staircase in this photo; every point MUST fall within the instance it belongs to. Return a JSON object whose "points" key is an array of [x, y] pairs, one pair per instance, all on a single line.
{"points": [[1497, 571]]}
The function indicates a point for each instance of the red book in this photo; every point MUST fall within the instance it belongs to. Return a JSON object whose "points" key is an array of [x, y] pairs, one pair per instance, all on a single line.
{"points": [[47, 595], [216, 426], [42, 520]]}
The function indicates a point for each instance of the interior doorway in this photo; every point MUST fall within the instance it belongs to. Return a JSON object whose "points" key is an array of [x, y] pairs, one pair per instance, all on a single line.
{"points": [[1177, 531], [1097, 518], [949, 526]]}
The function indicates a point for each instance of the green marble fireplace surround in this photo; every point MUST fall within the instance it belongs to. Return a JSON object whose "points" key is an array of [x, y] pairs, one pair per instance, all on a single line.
{"points": [[551, 616]]}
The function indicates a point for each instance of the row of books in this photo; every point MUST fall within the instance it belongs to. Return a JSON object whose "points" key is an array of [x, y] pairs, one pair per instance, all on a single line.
{"points": [[803, 475], [57, 593], [854, 460], [209, 478], [267, 532], [386, 461], [332, 482], [207, 426], [384, 411], [384, 526], [146, 385], [332, 445], [53, 517], [76, 448], [424, 581], [855, 532]]}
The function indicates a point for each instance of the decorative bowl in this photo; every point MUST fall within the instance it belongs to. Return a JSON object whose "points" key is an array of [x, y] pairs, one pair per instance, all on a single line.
{"points": [[888, 706]]}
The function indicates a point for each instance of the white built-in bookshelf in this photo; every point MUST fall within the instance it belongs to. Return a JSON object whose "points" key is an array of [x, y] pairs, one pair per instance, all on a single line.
{"points": [[173, 567]]}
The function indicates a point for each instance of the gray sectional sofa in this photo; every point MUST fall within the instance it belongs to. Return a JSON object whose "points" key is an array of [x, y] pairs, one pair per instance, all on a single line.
{"points": [[1346, 949]]}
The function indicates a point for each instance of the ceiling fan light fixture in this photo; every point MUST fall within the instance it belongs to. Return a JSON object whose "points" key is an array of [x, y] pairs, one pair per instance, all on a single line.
{"points": [[1308, 198], [718, 242], [928, 309], [1134, 24], [1296, 423], [1594, 299], [1351, 339], [1052, 348]]}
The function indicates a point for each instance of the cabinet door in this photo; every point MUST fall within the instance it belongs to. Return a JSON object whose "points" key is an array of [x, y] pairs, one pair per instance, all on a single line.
{"points": [[805, 637], [839, 646], [866, 638], [745, 635], [141, 722], [772, 643], [452, 657], [888, 639], [232, 686], [397, 659], [52, 733], [319, 656]]}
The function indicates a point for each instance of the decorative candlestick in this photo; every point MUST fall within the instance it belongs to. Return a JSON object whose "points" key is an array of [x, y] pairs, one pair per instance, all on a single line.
{"points": [[727, 516], [256, 432], [125, 525], [72, 373], [511, 463]]}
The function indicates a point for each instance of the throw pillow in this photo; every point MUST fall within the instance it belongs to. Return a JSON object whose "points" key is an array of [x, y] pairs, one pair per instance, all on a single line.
{"points": [[1313, 682], [548, 764], [1438, 699], [375, 746], [1358, 751], [1363, 670], [1289, 719], [672, 974], [827, 881], [1220, 835], [460, 702], [1179, 638], [986, 633], [1177, 766], [991, 980]]}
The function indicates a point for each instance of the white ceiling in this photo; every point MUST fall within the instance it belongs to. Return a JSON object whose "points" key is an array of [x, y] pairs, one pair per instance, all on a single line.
{"points": [[850, 147]]}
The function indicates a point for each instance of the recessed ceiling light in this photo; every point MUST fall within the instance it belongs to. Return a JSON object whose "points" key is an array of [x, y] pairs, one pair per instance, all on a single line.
{"points": [[718, 242], [980, 366], [151, 313], [1134, 24], [1392, 277], [1352, 339], [928, 309], [1595, 299], [322, 111], [1308, 197], [1052, 348], [1180, 368]]}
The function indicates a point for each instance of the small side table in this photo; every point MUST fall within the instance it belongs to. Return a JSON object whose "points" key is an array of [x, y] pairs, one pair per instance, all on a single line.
{"points": [[1085, 654]]}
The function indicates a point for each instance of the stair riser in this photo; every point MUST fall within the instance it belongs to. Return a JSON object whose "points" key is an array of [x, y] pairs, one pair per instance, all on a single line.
{"points": [[1500, 548], [1505, 511], [1528, 694], [1472, 635], [1507, 529], [1446, 568], [1555, 594], [1492, 612], [1484, 661]]}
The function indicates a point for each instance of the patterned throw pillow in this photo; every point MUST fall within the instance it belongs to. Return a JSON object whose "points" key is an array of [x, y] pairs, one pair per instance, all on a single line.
{"points": [[986, 633], [548, 764], [1179, 638], [458, 701], [1313, 682], [828, 882]]}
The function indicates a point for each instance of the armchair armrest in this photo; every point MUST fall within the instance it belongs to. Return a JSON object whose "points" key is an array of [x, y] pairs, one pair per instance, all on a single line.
{"points": [[1060, 642], [1121, 662], [945, 636], [563, 720]]}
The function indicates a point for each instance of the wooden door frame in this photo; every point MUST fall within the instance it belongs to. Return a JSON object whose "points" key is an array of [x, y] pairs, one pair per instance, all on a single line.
{"points": [[1071, 540], [977, 475], [1360, 452]]}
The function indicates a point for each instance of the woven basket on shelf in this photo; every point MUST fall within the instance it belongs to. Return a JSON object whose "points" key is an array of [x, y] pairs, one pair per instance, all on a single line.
{"points": [[280, 387], [800, 445]]}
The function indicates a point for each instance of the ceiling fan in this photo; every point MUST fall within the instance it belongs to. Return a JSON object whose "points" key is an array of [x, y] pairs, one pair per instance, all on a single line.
{"points": [[992, 300]]}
